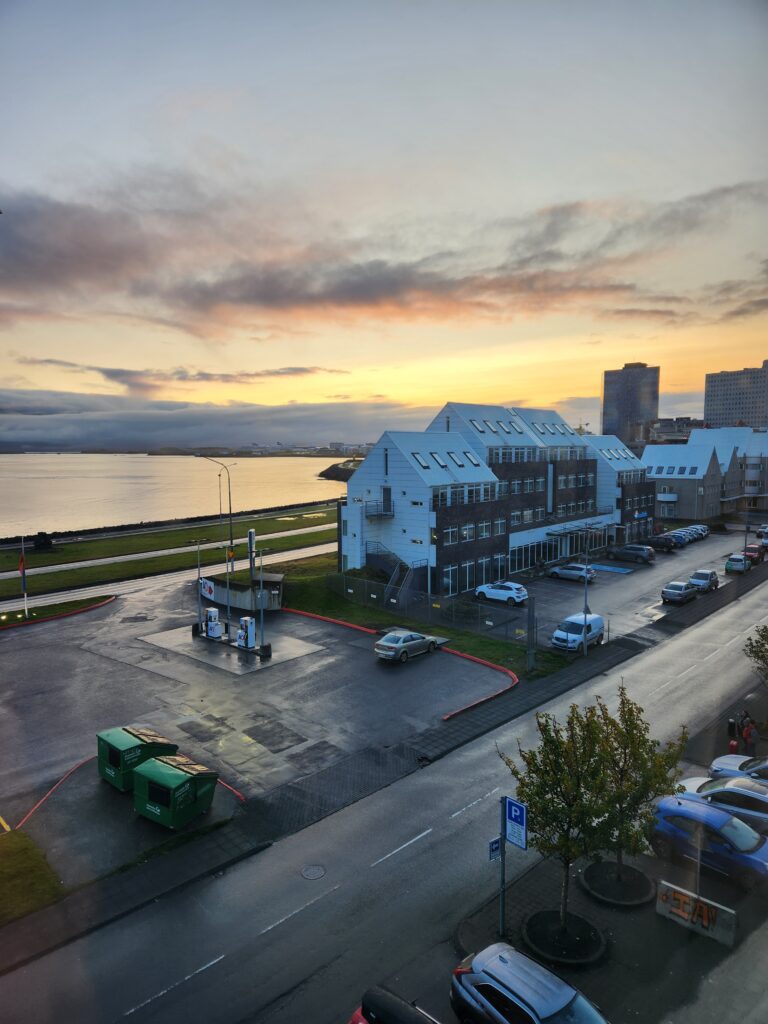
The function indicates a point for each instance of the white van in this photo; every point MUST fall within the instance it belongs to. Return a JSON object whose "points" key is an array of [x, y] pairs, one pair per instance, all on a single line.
{"points": [[569, 635]]}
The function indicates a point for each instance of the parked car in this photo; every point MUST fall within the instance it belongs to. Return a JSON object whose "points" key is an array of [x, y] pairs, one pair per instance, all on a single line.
{"points": [[740, 796], [736, 765], [755, 553], [680, 538], [762, 531], [500, 984], [401, 644], [691, 533], [573, 571], [380, 1006], [569, 635], [710, 837], [502, 590], [702, 527], [737, 562], [679, 592], [632, 553], [663, 543], [704, 580]]}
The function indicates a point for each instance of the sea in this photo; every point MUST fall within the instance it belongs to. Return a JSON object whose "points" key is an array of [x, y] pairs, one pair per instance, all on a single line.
{"points": [[55, 492]]}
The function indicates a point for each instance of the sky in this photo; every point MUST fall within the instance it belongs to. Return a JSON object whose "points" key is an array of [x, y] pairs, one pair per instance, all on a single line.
{"points": [[242, 222]]}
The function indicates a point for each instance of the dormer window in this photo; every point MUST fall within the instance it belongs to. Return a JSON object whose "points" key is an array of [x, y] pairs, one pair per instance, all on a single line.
{"points": [[439, 460], [503, 426], [421, 460], [516, 426], [478, 428], [490, 426], [456, 459], [472, 458]]}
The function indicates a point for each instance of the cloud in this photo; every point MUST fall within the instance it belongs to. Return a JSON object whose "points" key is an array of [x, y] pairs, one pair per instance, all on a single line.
{"points": [[146, 382], [31, 419]]}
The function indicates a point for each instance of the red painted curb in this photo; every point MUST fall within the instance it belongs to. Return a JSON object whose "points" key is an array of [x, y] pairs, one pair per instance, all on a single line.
{"points": [[59, 615], [488, 664], [42, 799], [336, 622]]}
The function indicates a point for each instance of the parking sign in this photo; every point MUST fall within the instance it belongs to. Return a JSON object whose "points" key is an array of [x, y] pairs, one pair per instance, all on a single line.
{"points": [[516, 822]]}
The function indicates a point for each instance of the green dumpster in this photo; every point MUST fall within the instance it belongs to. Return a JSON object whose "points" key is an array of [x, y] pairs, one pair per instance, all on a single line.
{"points": [[121, 750], [172, 790]]}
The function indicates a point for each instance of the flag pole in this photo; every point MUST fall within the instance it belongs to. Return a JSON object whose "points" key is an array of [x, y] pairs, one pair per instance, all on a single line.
{"points": [[23, 571]]}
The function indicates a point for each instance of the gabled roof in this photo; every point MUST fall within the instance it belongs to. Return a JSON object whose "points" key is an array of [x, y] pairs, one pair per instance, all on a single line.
{"points": [[613, 451], [425, 451], [744, 439], [694, 459], [489, 426], [548, 427]]}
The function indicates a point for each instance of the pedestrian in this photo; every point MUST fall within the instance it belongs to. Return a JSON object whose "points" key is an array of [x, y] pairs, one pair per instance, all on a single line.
{"points": [[741, 725], [751, 737], [733, 746]]}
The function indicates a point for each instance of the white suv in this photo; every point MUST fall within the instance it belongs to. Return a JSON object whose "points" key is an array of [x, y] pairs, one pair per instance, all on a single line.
{"points": [[502, 590]]}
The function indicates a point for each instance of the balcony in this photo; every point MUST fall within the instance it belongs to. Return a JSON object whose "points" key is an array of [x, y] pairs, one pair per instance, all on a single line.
{"points": [[379, 510]]}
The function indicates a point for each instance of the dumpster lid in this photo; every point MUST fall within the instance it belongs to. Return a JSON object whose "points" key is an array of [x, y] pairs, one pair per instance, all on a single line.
{"points": [[185, 764], [148, 736]]}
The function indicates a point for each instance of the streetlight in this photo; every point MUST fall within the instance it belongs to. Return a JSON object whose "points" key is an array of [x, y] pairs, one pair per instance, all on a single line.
{"points": [[231, 549]]}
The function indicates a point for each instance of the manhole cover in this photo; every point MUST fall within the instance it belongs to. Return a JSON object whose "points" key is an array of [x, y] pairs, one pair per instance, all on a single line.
{"points": [[313, 871]]}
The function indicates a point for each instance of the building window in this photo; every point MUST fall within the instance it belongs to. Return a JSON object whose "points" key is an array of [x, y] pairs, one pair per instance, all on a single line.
{"points": [[539, 514], [499, 527], [590, 479], [514, 518], [499, 567], [439, 460], [580, 506], [344, 527], [420, 459], [467, 532], [478, 428], [456, 459], [659, 470], [571, 508], [484, 570], [693, 470], [561, 510], [681, 471], [472, 458], [571, 479], [451, 535], [474, 493], [503, 426], [490, 426], [540, 483], [670, 470], [590, 504], [415, 540], [582, 479], [417, 502], [514, 486], [484, 530], [451, 579], [562, 481], [528, 515], [467, 575], [528, 486]]}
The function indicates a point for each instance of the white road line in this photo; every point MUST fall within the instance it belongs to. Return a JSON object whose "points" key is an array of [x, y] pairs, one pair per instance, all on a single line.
{"points": [[663, 685], [293, 913], [466, 808], [711, 655], [176, 984], [393, 852]]}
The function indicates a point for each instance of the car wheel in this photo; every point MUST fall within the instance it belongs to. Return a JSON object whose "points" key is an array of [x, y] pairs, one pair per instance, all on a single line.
{"points": [[521, 604], [511, 600], [403, 657], [662, 847], [481, 597], [431, 648], [638, 559]]}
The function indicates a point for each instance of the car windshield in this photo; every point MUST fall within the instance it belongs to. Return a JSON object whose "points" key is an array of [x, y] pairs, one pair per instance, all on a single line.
{"points": [[753, 763], [571, 627], [700, 576], [392, 638], [674, 586], [742, 836], [578, 1011], [710, 786]]}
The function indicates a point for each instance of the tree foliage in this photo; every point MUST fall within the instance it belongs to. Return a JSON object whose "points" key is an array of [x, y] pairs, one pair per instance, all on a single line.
{"points": [[756, 649], [563, 787], [637, 771]]}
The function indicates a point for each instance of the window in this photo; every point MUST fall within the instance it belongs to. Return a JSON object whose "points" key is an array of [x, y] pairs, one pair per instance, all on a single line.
{"points": [[503, 426], [451, 535], [344, 526], [693, 470], [580, 506], [484, 570], [416, 540], [681, 471], [467, 576], [659, 470], [590, 504], [562, 481], [560, 428], [509, 1011], [528, 515], [471, 457], [499, 527], [561, 510], [571, 508], [514, 486], [456, 459], [539, 514], [571, 479], [540, 482], [516, 426], [490, 426], [417, 502], [450, 579], [499, 567], [590, 479], [514, 518], [538, 426], [421, 460], [484, 530], [439, 460], [550, 428], [670, 470], [528, 486], [478, 428], [467, 532]]}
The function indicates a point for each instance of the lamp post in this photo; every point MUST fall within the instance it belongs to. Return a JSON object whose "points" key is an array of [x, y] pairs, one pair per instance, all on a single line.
{"points": [[231, 549]]}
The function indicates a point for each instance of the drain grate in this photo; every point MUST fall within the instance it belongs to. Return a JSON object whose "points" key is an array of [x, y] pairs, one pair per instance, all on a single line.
{"points": [[313, 871]]}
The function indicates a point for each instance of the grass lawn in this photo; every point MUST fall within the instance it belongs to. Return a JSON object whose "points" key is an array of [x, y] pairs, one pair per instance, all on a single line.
{"points": [[159, 540], [305, 589], [48, 611], [97, 574], [26, 879]]}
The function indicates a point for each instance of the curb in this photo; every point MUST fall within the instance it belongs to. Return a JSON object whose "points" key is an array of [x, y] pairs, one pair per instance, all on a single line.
{"points": [[59, 615], [327, 618]]}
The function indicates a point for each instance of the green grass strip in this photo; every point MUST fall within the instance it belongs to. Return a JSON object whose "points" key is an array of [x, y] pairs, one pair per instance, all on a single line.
{"points": [[27, 881], [97, 574], [161, 540], [49, 611]]}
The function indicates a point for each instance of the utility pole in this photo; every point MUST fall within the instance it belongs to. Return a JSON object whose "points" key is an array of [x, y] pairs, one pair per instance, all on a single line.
{"points": [[231, 549]]}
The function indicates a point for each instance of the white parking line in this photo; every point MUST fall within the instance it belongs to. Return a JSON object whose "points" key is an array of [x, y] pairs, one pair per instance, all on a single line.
{"points": [[393, 852], [293, 913], [467, 806], [176, 984]]}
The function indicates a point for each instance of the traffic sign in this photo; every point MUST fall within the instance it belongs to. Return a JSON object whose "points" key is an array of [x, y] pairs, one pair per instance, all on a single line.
{"points": [[494, 848], [516, 823]]}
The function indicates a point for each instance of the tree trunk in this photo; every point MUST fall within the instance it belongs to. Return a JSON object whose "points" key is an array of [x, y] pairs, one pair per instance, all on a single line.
{"points": [[619, 863], [564, 893]]}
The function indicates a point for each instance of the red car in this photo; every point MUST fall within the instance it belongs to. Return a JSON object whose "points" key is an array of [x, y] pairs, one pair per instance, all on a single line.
{"points": [[380, 1006], [755, 553]]}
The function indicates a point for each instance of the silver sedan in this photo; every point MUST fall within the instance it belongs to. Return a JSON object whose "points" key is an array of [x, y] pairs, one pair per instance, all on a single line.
{"points": [[573, 571], [400, 645]]}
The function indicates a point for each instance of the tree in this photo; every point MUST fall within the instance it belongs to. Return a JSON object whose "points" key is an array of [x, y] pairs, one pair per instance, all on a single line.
{"points": [[756, 649], [637, 771], [564, 789]]}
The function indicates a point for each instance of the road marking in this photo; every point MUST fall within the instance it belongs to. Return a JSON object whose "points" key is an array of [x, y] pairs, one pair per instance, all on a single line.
{"points": [[708, 656], [293, 913], [176, 984], [466, 808], [731, 641], [5, 825], [393, 852]]}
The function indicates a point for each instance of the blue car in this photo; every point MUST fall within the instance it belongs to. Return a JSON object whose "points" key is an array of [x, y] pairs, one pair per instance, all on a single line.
{"points": [[735, 765], [742, 797], [502, 986], [695, 831]]}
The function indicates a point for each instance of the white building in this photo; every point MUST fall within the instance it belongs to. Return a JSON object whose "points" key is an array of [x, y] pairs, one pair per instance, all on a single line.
{"points": [[735, 397]]}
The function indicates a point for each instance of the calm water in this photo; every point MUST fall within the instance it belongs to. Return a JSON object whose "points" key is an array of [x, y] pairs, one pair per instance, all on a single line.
{"points": [[75, 492]]}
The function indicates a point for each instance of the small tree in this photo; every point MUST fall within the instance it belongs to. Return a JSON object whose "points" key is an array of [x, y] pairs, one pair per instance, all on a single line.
{"points": [[756, 649], [564, 789], [637, 772]]}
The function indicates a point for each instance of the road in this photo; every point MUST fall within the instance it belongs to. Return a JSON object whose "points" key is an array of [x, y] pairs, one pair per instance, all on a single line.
{"points": [[137, 556], [162, 580], [397, 872]]}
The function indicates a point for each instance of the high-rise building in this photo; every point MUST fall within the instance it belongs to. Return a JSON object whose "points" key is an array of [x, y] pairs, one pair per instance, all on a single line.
{"points": [[737, 398], [630, 402]]}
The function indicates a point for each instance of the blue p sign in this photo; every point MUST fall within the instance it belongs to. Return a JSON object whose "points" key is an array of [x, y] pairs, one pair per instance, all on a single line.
{"points": [[516, 820]]}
